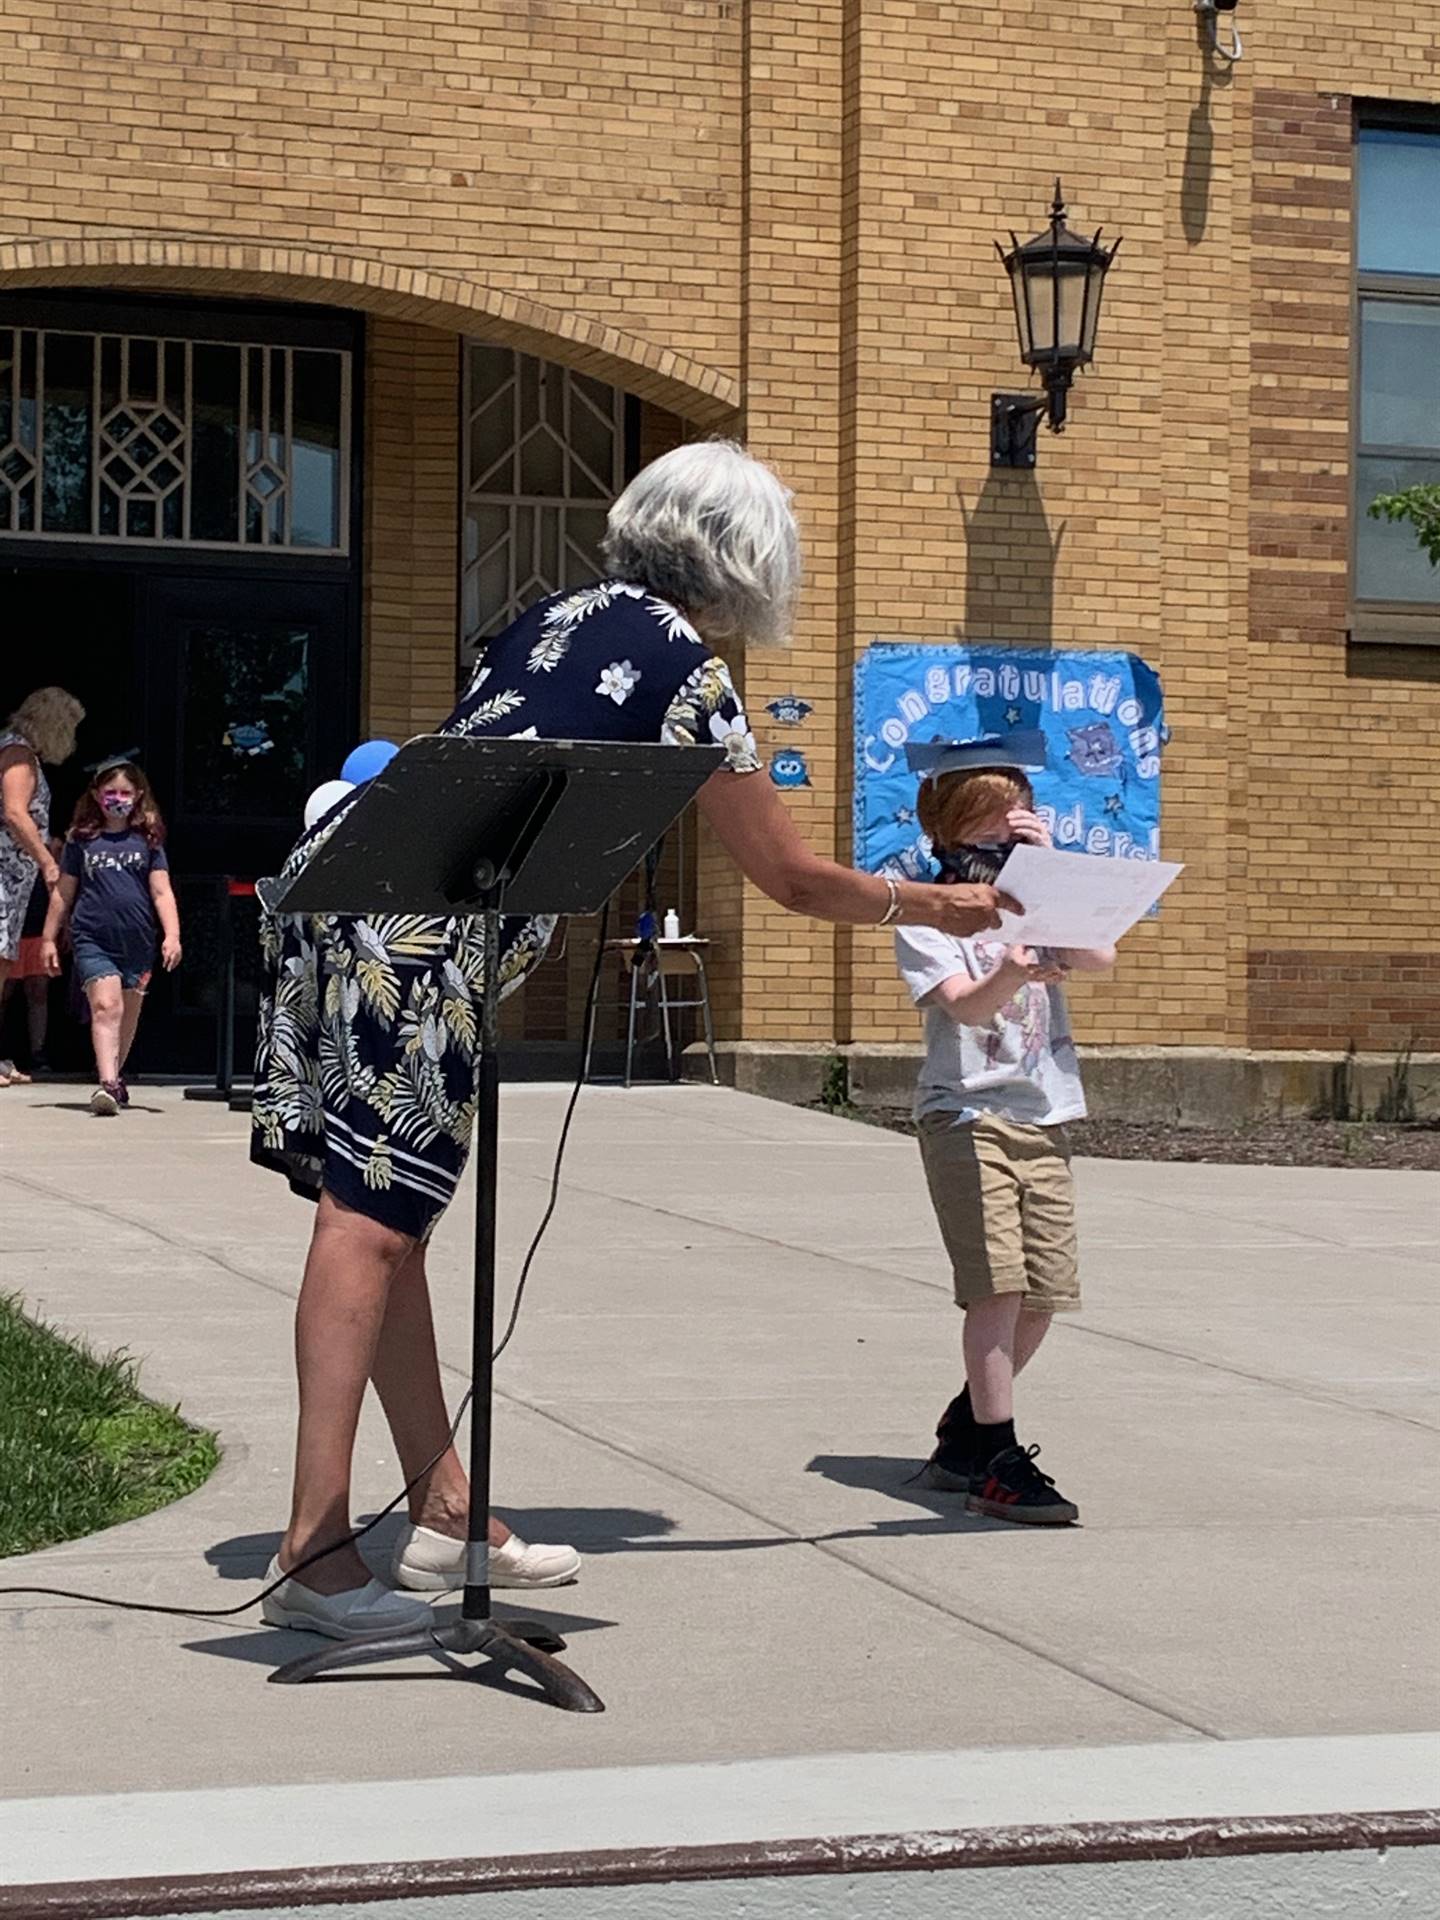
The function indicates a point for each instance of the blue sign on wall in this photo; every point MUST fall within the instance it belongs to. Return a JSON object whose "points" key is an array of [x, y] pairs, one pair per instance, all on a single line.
{"points": [[1102, 715]]}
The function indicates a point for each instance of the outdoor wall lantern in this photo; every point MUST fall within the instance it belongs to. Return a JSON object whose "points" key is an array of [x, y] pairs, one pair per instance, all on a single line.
{"points": [[1057, 280]]}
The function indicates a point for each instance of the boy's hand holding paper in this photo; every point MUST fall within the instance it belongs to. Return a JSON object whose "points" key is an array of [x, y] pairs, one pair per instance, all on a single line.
{"points": [[1077, 900]]}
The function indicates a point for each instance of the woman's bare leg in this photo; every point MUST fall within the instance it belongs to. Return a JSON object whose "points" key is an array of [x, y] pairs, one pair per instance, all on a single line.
{"points": [[349, 1274], [406, 1372]]}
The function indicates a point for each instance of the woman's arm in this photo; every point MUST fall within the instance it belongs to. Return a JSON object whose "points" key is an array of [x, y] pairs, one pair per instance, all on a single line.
{"points": [[752, 824], [168, 914], [62, 900], [17, 786]]}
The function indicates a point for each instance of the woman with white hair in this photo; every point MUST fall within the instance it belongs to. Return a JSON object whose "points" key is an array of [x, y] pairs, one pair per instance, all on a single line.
{"points": [[42, 728], [364, 1081]]}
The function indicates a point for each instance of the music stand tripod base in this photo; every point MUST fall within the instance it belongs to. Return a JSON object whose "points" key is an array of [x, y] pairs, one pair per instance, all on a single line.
{"points": [[519, 1645]]}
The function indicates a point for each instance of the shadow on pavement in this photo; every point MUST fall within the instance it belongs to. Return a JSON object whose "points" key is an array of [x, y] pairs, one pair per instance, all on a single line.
{"points": [[883, 1473], [273, 1646], [602, 1531], [276, 1646], [590, 1529], [83, 1106], [593, 1530]]}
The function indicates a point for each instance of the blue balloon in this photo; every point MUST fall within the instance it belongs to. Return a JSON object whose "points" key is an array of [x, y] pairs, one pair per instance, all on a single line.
{"points": [[368, 759]]}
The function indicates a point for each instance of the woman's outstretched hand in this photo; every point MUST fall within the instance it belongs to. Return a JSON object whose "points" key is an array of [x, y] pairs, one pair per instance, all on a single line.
{"points": [[750, 821], [959, 910]]}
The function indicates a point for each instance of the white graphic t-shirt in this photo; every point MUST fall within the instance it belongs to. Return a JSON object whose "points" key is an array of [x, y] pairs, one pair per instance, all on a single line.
{"points": [[1020, 1065]]}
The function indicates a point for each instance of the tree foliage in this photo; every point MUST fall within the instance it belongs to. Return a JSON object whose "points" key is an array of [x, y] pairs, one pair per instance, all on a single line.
{"points": [[1420, 506]]}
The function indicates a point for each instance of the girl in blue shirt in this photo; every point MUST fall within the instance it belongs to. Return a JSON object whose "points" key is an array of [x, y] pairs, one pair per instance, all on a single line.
{"points": [[115, 888]]}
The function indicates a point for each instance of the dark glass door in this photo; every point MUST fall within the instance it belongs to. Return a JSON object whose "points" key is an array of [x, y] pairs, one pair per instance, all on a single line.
{"points": [[250, 702]]}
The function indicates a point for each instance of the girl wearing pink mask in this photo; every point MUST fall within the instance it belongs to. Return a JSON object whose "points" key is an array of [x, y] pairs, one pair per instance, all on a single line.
{"points": [[115, 887]]}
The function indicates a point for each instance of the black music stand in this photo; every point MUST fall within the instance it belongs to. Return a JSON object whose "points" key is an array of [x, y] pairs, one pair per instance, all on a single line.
{"points": [[452, 826]]}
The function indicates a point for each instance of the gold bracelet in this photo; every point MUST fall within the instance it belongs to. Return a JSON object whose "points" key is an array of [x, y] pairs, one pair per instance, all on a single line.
{"points": [[892, 911]]}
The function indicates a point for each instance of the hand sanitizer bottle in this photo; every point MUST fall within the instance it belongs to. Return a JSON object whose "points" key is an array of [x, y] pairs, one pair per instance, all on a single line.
{"points": [[672, 925]]}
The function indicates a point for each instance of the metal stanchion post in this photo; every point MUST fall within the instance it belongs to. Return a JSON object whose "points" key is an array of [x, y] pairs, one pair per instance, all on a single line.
{"points": [[225, 1029], [229, 890]]}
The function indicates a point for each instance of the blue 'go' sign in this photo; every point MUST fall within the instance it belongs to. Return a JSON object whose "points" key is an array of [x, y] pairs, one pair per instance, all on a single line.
{"points": [[1102, 715]]}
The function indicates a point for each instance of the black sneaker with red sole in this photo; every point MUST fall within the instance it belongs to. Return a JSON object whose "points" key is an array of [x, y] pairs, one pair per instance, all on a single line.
{"points": [[1012, 1487]]}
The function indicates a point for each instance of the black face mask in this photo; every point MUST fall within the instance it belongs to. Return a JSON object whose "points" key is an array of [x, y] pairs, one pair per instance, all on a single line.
{"points": [[969, 866]]}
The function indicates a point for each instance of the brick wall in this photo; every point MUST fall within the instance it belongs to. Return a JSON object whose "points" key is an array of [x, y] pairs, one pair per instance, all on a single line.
{"points": [[1377, 1002], [784, 987], [411, 508], [430, 140], [791, 204], [1343, 760]]}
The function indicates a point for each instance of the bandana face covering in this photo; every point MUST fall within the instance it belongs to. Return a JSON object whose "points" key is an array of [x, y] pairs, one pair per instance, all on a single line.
{"points": [[977, 864]]}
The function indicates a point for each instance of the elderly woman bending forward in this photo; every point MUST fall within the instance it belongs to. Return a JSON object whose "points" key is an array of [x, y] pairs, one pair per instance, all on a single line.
{"points": [[361, 1116]]}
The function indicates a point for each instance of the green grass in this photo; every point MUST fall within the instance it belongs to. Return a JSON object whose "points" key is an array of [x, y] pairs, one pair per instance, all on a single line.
{"points": [[80, 1448]]}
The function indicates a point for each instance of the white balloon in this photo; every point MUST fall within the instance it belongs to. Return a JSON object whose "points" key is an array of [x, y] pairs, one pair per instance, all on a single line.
{"points": [[324, 797]]}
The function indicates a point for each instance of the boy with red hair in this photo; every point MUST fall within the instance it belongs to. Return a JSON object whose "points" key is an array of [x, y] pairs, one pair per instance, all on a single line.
{"points": [[999, 1083]]}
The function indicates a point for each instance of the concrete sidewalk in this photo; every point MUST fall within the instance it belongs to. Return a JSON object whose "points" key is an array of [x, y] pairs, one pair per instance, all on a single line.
{"points": [[737, 1340]]}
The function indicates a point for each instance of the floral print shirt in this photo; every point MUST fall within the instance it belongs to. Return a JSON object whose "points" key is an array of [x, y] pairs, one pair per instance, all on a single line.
{"points": [[365, 1065]]}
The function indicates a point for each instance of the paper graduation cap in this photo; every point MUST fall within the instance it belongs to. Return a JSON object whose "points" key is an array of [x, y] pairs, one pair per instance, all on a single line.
{"points": [[127, 759], [1023, 748]]}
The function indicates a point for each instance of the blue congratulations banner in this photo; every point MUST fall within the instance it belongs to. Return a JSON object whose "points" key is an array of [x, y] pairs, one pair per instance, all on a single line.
{"points": [[1102, 715]]}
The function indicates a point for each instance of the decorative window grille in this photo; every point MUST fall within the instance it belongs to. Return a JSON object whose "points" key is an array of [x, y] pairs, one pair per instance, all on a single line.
{"points": [[146, 440], [544, 456]]}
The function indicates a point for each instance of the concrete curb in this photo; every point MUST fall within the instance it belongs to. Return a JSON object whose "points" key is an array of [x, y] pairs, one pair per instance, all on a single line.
{"points": [[1028, 1846]]}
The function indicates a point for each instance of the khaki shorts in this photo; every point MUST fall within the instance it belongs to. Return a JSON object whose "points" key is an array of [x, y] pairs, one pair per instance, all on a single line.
{"points": [[1005, 1200]]}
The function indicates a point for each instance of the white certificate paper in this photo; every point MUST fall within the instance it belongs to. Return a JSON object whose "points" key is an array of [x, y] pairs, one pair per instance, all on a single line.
{"points": [[1077, 899]]}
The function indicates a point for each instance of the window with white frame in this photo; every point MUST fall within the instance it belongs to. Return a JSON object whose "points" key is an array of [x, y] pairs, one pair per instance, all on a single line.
{"points": [[544, 456], [142, 440], [1397, 407]]}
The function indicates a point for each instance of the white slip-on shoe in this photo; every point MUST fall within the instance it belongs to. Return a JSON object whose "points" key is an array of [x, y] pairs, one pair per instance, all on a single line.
{"points": [[430, 1562], [532, 1564], [359, 1613]]}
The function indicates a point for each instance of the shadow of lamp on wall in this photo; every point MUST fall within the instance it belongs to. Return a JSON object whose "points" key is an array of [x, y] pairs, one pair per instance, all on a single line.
{"points": [[1057, 280], [1011, 556]]}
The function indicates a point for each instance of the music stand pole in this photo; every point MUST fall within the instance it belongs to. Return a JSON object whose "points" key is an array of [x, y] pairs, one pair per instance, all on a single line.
{"points": [[476, 1602], [520, 1644]]}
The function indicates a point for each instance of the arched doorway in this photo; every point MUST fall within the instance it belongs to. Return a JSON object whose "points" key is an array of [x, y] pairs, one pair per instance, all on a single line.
{"points": [[180, 515], [252, 533]]}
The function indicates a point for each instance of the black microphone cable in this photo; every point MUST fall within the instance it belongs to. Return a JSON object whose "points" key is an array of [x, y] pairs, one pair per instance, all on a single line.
{"points": [[349, 1539]]}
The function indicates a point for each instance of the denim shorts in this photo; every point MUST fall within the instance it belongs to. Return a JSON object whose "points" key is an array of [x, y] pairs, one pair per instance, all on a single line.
{"points": [[92, 962]]}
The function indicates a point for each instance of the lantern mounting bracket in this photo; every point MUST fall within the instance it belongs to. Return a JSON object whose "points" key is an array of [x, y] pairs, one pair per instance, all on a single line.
{"points": [[1014, 428]]}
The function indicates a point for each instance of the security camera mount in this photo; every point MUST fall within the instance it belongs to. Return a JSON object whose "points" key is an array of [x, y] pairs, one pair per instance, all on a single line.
{"points": [[1209, 12]]}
